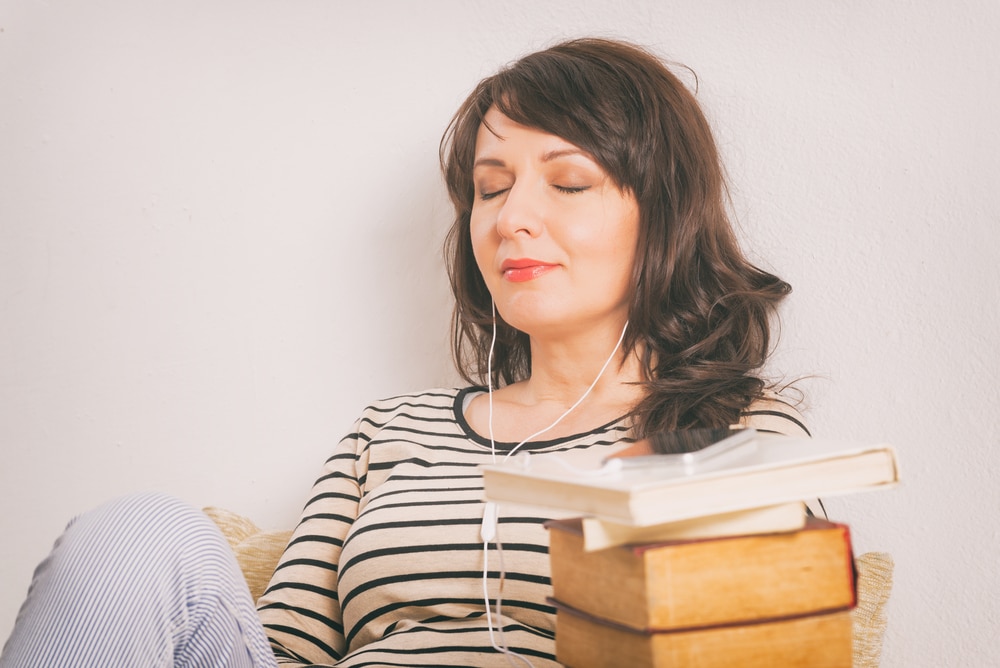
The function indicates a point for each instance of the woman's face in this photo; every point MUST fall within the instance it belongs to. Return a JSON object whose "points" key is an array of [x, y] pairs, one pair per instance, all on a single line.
{"points": [[554, 237]]}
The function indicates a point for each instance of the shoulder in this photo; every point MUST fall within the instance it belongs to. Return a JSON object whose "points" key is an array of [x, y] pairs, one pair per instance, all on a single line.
{"points": [[776, 414], [432, 399], [435, 405]]}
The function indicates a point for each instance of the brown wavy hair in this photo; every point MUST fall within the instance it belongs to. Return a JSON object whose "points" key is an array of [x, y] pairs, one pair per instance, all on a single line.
{"points": [[700, 311]]}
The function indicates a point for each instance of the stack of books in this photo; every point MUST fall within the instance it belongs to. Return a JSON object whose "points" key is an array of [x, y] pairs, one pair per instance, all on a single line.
{"points": [[718, 566], [780, 599]]}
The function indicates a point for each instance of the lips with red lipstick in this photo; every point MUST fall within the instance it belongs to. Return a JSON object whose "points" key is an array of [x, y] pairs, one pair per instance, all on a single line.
{"points": [[526, 269]]}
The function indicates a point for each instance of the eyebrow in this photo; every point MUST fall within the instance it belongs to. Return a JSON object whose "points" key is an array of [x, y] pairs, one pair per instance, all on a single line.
{"points": [[488, 162], [548, 156], [563, 152]]}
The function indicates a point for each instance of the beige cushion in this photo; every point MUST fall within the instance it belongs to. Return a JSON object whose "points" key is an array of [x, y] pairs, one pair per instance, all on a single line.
{"points": [[874, 586], [258, 551]]}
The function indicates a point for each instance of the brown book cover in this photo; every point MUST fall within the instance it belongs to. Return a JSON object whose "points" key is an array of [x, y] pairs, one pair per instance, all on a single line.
{"points": [[810, 641], [697, 583]]}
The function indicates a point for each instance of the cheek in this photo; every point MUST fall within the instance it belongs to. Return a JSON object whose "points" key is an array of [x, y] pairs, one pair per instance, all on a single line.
{"points": [[627, 231], [620, 246], [483, 246], [611, 241]]}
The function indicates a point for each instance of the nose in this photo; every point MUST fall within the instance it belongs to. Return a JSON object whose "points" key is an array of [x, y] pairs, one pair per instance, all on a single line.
{"points": [[521, 213]]}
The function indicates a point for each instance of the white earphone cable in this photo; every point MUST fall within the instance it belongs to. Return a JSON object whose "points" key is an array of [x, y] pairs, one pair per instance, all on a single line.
{"points": [[489, 529], [489, 380], [571, 408]]}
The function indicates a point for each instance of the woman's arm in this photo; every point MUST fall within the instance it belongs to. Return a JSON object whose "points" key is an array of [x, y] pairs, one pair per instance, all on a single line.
{"points": [[300, 609], [773, 414]]}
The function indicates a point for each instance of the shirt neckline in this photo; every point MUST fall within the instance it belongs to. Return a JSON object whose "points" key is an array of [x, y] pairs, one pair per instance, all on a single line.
{"points": [[468, 393]]}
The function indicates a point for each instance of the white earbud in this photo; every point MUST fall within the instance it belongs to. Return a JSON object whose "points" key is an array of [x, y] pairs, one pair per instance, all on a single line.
{"points": [[488, 531]]}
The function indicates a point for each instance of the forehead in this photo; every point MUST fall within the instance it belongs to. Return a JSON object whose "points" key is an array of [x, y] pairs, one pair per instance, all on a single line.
{"points": [[497, 131]]}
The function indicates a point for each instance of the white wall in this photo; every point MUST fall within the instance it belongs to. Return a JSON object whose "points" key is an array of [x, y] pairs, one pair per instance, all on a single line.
{"points": [[220, 222]]}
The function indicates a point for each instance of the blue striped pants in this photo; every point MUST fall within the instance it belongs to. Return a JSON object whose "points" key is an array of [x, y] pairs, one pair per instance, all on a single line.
{"points": [[144, 580]]}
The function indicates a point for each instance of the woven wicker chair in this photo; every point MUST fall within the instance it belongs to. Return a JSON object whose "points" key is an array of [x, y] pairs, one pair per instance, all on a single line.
{"points": [[258, 551]]}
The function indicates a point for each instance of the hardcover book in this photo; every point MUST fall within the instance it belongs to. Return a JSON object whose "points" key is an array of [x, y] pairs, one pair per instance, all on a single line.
{"points": [[688, 584], [599, 534], [814, 641]]}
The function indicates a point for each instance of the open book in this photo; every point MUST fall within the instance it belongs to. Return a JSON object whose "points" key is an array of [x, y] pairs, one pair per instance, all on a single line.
{"points": [[777, 470]]}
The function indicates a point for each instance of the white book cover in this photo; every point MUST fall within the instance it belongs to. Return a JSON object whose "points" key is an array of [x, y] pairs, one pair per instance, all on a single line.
{"points": [[772, 470]]}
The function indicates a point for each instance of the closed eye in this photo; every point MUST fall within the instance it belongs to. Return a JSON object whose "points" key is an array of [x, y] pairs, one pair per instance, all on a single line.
{"points": [[571, 190], [494, 193]]}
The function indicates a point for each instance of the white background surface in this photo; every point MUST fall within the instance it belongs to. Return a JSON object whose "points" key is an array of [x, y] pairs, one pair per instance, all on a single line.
{"points": [[220, 226]]}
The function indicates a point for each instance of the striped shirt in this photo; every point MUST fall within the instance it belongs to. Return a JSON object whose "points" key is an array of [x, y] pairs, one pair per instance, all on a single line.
{"points": [[386, 565]]}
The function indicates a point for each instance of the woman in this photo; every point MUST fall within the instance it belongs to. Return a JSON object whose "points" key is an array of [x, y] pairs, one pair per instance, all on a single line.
{"points": [[600, 295]]}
